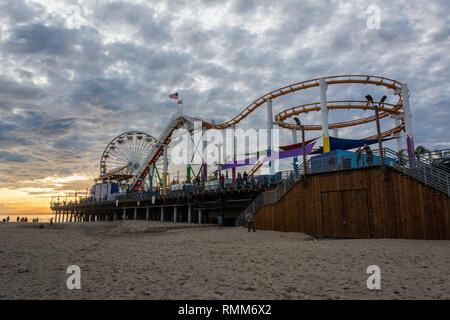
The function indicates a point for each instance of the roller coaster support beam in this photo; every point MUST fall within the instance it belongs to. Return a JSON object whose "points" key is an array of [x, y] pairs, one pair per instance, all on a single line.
{"points": [[397, 120], [233, 170], [150, 179], [324, 112], [189, 155], [408, 120], [166, 164], [204, 164], [305, 166], [269, 136]]}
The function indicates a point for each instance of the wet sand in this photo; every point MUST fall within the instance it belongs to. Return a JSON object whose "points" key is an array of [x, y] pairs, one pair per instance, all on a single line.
{"points": [[154, 260]]}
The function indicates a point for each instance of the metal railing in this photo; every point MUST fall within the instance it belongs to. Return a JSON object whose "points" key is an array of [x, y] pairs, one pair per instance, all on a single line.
{"points": [[432, 176], [434, 157]]}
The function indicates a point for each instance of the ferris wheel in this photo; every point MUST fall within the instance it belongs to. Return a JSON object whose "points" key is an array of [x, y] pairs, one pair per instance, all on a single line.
{"points": [[125, 155]]}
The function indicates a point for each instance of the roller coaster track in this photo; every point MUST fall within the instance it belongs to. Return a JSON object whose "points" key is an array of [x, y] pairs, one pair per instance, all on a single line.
{"points": [[361, 79], [386, 110], [178, 122]]}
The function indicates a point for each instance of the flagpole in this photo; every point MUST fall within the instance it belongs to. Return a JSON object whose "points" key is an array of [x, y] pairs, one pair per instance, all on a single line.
{"points": [[179, 107]]}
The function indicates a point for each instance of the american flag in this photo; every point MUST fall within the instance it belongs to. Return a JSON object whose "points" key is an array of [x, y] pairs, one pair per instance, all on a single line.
{"points": [[174, 96]]}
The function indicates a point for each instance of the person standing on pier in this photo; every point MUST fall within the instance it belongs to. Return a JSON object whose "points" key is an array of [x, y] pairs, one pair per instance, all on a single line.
{"points": [[219, 222], [245, 178], [369, 155], [222, 181], [239, 180], [359, 157]]}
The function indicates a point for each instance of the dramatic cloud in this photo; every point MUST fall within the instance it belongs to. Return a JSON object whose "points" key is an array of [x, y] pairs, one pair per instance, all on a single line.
{"points": [[74, 74]]}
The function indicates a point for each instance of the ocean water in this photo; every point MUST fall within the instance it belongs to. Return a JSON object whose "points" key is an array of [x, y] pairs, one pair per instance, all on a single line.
{"points": [[30, 217]]}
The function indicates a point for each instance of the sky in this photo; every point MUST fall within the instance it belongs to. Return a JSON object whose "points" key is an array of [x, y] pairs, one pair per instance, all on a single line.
{"points": [[75, 74]]}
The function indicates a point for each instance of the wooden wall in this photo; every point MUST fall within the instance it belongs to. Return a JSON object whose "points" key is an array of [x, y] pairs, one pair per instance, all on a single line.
{"points": [[360, 204]]}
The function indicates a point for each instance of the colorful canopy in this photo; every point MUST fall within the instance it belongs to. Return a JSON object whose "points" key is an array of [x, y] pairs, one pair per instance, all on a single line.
{"points": [[273, 156], [346, 144], [283, 148], [296, 145]]}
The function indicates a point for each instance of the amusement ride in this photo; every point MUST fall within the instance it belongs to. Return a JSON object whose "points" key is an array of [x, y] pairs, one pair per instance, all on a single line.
{"points": [[130, 159]]}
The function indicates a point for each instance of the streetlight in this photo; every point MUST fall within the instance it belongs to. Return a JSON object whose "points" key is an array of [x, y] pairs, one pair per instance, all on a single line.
{"points": [[302, 127], [376, 108], [219, 163]]}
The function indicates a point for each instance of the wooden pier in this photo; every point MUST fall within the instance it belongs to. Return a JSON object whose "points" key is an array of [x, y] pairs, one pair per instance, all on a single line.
{"points": [[360, 203], [197, 206]]}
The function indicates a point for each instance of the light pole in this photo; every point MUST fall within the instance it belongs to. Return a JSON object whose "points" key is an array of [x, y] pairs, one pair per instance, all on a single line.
{"points": [[302, 127], [376, 107], [219, 162]]}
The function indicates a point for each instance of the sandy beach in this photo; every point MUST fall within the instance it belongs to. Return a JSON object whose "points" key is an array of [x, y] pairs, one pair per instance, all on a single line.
{"points": [[154, 260]]}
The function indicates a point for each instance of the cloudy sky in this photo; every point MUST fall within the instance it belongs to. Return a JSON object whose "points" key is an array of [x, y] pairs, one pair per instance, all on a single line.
{"points": [[74, 74]]}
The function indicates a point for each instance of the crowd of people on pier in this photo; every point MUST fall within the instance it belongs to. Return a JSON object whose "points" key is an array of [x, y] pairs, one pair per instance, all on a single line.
{"points": [[359, 158]]}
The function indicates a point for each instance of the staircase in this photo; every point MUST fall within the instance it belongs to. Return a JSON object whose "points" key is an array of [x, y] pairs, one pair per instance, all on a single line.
{"points": [[414, 167]]}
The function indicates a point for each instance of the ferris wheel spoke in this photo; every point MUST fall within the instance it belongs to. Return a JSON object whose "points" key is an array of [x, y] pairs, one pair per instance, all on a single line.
{"points": [[142, 152], [124, 152], [120, 158]]}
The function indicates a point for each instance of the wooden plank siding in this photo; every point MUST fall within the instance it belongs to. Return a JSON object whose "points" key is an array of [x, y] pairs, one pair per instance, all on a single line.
{"points": [[360, 204]]}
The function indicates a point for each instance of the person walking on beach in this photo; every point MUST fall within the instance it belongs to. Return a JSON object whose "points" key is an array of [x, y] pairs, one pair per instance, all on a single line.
{"points": [[18, 219], [359, 157], [7, 219], [250, 221], [219, 222], [369, 155]]}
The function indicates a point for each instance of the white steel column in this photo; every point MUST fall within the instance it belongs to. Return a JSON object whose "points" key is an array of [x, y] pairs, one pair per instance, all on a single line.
{"points": [[398, 136], [407, 119], [162, 213], [189, 214], [124, 214], [166, 164], [175, 214], [269, 133], [147, 213], [135, 214], [324, 115], [199, 216]]}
